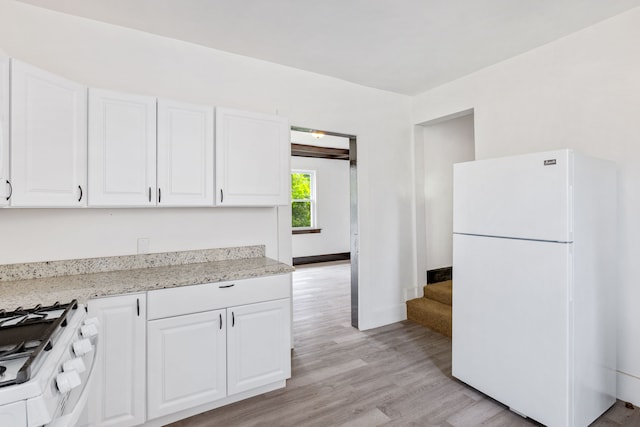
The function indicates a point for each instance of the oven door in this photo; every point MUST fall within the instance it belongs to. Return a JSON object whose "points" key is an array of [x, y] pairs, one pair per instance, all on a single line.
{"points": [[73, 407], [55, 408], [13, 414]]}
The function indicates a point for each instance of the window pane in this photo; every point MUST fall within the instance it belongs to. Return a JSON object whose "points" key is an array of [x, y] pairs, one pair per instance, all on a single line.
{"points": [[300, 186], [301, 214]]}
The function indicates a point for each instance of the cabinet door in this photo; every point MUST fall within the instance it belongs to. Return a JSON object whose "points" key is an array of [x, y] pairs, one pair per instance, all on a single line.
{"points": [[122, 149], [5, 186], [252, 159], [48, 138], [258, 345], [118, 393], [185, 154], [186, 362]]}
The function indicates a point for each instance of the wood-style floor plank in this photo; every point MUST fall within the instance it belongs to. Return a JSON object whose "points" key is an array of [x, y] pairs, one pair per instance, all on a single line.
{"points": [[397, 375]]}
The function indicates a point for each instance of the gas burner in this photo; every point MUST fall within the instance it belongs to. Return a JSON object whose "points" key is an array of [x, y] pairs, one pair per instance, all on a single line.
{"points": [[47, 357], [27, 333]]}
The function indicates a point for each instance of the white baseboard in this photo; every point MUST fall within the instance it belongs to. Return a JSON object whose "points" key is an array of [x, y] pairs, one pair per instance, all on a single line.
{"points": [[628, 388], [411, 293]]}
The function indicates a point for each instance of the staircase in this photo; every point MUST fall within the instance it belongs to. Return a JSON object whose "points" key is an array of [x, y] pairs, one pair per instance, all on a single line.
{"points": [[434, 309]]}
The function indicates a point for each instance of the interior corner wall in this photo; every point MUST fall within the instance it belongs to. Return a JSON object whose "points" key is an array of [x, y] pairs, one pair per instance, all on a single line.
{"points": [[112, 57], [332, 195], [445, 143], [578, 92]]}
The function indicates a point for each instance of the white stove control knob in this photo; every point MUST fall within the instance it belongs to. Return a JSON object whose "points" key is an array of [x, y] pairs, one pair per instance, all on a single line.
{"points": [[88, 331], [76, 364], [82, 347], [91, 321], [66, 381]]}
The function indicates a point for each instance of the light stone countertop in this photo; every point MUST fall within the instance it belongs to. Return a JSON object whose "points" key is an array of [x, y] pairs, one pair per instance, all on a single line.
{"points": [[47, 290]]}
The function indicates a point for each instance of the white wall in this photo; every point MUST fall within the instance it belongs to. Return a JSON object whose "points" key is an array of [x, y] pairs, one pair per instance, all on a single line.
{"points": [[580, 92], [445, 143], [332, 189], [108, 56]]}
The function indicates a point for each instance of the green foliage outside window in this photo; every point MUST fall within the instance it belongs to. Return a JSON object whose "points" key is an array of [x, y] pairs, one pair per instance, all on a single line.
{"points": [[300, 200]]}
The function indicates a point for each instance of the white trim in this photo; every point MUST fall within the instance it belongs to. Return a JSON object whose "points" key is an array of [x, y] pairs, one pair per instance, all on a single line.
{"points": [[628, 388]]}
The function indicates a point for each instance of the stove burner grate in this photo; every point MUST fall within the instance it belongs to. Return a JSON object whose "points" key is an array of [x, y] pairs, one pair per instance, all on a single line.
{"points": [[27, 334]]}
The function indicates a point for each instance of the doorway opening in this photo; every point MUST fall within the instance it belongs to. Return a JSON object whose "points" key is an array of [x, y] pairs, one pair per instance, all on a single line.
{"points": [[340, 147], [439, 144]]}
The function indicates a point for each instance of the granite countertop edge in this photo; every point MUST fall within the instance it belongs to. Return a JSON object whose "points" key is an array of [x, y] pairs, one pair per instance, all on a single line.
{"points": [[83, 287]]}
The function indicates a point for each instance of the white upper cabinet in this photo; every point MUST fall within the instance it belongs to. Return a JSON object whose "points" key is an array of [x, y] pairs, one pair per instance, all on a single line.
{"points": [[252, 159], [122, 149], [5, 185], [48, 139], [185, 154]]}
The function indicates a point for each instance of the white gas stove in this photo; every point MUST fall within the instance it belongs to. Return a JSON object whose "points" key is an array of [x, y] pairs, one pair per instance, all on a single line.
{"points": [[47, 357]]}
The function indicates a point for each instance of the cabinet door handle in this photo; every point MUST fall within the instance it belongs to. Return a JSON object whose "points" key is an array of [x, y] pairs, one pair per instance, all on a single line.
{"points": [[233, 319], [220, 321], [159, 195], [221, 196], [10, 189], [80, 188], [138, 306], [227, 286], [149, 194]]}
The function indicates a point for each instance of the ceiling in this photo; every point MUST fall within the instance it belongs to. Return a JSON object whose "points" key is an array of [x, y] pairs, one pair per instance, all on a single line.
{"points": [[402, 46]]}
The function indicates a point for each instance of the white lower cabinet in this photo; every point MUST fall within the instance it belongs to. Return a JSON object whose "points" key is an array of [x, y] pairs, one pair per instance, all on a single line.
{"points": [[213, 344], [258, 350], [170, 353], [187, 362], [200, 358], [118, 395]]}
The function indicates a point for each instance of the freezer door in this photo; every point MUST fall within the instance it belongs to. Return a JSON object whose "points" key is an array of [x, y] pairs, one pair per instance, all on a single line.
{"points": [[526, 197], [511, 322]]}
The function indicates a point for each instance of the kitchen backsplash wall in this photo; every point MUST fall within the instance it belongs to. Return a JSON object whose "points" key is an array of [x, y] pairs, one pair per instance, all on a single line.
{"points": [[38, 235]]}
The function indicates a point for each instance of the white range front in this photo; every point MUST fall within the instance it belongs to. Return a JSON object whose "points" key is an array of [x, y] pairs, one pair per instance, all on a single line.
{"points": [[56, 392]]}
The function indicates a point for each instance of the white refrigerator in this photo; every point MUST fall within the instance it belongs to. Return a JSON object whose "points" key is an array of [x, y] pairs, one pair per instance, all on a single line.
{"points": [[534, 283]]}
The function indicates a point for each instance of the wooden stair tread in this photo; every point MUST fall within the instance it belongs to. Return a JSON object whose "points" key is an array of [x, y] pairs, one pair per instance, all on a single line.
{"points": [[440, 292]]}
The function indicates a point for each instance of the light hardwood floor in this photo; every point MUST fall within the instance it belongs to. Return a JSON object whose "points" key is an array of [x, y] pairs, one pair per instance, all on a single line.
{"points": [[397, 375]]}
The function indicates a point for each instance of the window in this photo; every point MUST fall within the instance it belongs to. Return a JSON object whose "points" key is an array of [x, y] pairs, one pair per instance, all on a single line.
{"points": [[303, 199]]}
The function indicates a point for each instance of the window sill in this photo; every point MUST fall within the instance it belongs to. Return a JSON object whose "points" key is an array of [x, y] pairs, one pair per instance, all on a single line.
{"points": [[306, 230]]}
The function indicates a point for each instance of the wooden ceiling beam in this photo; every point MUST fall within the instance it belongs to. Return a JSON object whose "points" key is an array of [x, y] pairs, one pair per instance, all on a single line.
{"points": [[303, 150]]}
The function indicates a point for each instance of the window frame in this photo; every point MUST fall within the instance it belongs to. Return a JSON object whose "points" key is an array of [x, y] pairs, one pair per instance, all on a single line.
{"points": [[313, 199]]}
